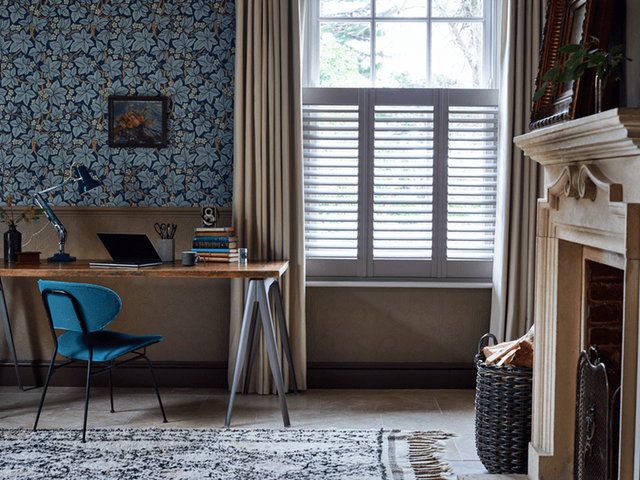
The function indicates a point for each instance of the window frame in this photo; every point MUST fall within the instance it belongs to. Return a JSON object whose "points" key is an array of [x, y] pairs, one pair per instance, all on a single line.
{"points": [[489, 21], [365, 267]]}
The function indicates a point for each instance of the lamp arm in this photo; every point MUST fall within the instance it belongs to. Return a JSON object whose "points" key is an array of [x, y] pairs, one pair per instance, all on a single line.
{"points": [[55, 187], [48, 212]]}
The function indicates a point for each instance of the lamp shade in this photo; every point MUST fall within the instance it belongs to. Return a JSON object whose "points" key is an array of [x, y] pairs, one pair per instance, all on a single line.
{"points": [[85, 183]]}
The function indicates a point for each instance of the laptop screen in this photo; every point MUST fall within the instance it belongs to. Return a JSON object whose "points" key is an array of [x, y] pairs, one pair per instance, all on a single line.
{"points": [[133, 249]]}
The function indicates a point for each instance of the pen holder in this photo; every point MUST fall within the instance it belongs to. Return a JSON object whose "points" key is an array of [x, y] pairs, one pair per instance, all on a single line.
{"points": [[166, 249]]}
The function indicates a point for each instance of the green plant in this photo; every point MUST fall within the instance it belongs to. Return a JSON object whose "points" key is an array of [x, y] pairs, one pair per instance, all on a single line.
{"points": [[10, 217], [581, 57]]}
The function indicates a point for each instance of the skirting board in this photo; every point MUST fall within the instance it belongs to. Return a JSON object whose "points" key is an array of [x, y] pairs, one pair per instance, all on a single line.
{"points": [[214, 375]]}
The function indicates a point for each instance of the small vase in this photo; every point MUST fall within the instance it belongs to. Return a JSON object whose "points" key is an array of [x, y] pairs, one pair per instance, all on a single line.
{"points": [[12, 244]]}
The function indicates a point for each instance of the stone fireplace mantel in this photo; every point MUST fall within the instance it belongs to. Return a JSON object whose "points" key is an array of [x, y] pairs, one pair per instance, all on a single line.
{"points": [[591, 212]]}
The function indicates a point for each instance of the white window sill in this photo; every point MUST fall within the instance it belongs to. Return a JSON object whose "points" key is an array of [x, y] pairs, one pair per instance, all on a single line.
{"points": [[454, 284]]}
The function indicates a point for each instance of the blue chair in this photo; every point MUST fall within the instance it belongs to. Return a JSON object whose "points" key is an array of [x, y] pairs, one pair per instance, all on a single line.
{"points": [[83, 311]]}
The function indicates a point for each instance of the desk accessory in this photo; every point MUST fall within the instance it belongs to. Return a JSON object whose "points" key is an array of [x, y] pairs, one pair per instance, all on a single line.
{"points": [[189, 259], [210, 215], [28, 258], [242, 256], [166, 249], [166, 246], [85, 183]]}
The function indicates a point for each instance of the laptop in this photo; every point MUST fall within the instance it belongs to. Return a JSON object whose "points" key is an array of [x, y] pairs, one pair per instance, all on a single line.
{"points": [[131, 250]]}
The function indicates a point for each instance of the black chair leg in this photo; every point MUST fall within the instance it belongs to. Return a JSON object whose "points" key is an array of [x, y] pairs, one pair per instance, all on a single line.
{"points": [[44, 391], [155, 385], [111, 387], [86, 402]]}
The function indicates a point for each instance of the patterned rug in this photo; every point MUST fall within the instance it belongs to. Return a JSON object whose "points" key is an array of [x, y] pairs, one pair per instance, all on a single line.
{"points": [[221, 454]]}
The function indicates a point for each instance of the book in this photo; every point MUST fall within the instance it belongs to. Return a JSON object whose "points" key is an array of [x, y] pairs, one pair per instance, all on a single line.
{"points": [[214, 254], [213, 238], [213, 229], [220, 260], [198, 244], [214, 234], [215, 250]]}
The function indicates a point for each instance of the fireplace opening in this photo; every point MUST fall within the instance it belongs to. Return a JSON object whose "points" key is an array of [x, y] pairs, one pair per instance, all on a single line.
{"points": [[603, 324]]}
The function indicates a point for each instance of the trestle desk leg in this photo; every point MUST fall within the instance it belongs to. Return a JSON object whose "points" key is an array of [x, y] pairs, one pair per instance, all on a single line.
{"points": [[8, 335], [242, 346], [254, 341], [272, 349], [284, 332]]}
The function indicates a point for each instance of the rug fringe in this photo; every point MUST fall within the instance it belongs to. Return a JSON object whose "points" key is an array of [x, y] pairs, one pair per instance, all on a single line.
{"points": [[423, 448]]}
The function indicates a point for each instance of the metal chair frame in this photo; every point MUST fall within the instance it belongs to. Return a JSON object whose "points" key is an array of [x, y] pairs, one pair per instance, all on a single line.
{"points": [[110, 366]]}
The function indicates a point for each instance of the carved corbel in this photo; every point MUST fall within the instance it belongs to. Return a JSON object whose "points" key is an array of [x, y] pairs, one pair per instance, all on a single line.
{"points": [[591, 178], [565, 184]]}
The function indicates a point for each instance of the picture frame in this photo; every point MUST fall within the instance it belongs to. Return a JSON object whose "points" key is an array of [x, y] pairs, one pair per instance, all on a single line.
{"points": [[569, 21], [138, 121]]}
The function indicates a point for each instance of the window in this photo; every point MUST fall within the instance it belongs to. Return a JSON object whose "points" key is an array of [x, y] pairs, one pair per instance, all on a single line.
{"points": [[399, 143]]}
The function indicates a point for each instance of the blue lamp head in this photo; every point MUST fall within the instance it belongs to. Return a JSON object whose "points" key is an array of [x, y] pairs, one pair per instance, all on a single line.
{"points": [[85, 183]]}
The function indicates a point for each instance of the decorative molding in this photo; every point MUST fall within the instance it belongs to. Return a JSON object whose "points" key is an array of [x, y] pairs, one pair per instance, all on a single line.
{"points": [[613, 134], [582, 182], [563, 185], [591, 178]]}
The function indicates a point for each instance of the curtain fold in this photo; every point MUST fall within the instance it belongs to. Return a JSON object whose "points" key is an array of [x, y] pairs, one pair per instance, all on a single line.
{"points": [[519, 178], [268, 203]]}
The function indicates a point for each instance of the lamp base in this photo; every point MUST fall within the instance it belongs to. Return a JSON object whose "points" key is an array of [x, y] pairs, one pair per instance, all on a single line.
{"points": [[61, 257]]}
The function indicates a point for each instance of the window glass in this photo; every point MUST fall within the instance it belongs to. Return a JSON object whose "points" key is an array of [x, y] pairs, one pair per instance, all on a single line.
{"points": [[345, 8], [457, 8], [345, 59], [401, 54], [406, 8], [457, 55]]}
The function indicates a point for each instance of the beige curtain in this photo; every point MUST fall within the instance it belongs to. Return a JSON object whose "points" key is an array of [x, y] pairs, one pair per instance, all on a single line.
{"points": [[268, 208], [519, 178]]}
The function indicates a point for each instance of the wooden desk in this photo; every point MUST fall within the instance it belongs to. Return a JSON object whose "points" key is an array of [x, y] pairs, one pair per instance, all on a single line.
{"points": [[262, 277]]}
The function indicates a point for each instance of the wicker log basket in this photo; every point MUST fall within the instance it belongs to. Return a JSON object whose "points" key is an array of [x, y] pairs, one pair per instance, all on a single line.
{"points": [[503, 414]]}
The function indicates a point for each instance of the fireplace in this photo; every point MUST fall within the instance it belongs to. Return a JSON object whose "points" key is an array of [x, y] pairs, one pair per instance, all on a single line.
{"points": [[587, 280]]}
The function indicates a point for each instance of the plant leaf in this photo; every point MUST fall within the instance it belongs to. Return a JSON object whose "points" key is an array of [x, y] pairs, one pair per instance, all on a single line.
{"points": [[617, 49], [573, 60], [570, 48], [551, 73], [579, 71], [539, 93], [565, 76]]}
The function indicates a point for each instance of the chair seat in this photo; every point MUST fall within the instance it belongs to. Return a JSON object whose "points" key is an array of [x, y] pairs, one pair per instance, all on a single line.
{"points": [[107, 344]]}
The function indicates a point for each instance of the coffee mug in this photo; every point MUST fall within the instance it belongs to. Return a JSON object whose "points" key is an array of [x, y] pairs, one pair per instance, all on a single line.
{"points": [[190, 258]]}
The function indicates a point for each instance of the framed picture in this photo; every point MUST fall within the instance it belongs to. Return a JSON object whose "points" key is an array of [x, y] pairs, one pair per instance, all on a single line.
{"points": [[139, 122], [569, 21]]}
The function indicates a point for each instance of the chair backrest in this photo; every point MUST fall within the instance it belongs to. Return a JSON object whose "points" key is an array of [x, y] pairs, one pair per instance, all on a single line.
{"points": [[98, 305]]}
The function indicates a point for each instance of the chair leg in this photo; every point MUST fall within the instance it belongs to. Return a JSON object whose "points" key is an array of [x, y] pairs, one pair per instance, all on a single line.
{"points": [[86, 401], [44, 391], [155, 385], [111, 386]]}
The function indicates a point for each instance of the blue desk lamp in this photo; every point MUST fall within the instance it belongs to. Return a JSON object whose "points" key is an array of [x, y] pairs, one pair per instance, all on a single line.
{"points": [[85, 183]]}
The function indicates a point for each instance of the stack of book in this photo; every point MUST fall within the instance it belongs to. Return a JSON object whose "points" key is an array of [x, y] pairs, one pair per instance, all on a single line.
{"points": [[216, 244]]}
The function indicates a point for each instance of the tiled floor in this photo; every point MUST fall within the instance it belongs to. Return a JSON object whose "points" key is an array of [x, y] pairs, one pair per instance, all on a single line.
{"points": [[448, 410]]}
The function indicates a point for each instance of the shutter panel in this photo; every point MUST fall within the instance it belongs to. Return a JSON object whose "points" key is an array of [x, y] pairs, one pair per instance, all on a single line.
{"points": [[330, 142], [403, 182], [472, 176]]}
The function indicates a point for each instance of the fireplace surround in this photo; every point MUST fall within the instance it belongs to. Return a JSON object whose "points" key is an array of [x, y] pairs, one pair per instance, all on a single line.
{"points": [[590, 213]]}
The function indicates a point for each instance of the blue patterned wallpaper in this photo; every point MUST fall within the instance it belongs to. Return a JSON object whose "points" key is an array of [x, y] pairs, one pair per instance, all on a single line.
{"points": [[60, 60]]}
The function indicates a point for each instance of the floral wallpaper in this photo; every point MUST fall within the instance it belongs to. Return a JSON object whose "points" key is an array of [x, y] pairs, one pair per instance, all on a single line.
{"points": [[60, 61]]}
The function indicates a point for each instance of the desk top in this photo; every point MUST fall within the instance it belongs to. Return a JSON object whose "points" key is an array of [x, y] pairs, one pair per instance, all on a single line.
{"points": [[81, 268]]}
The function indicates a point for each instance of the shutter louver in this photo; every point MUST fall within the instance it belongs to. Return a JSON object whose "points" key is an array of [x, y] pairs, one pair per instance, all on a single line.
{"points": [[330, 142], [472, 176], [403, 182]]}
